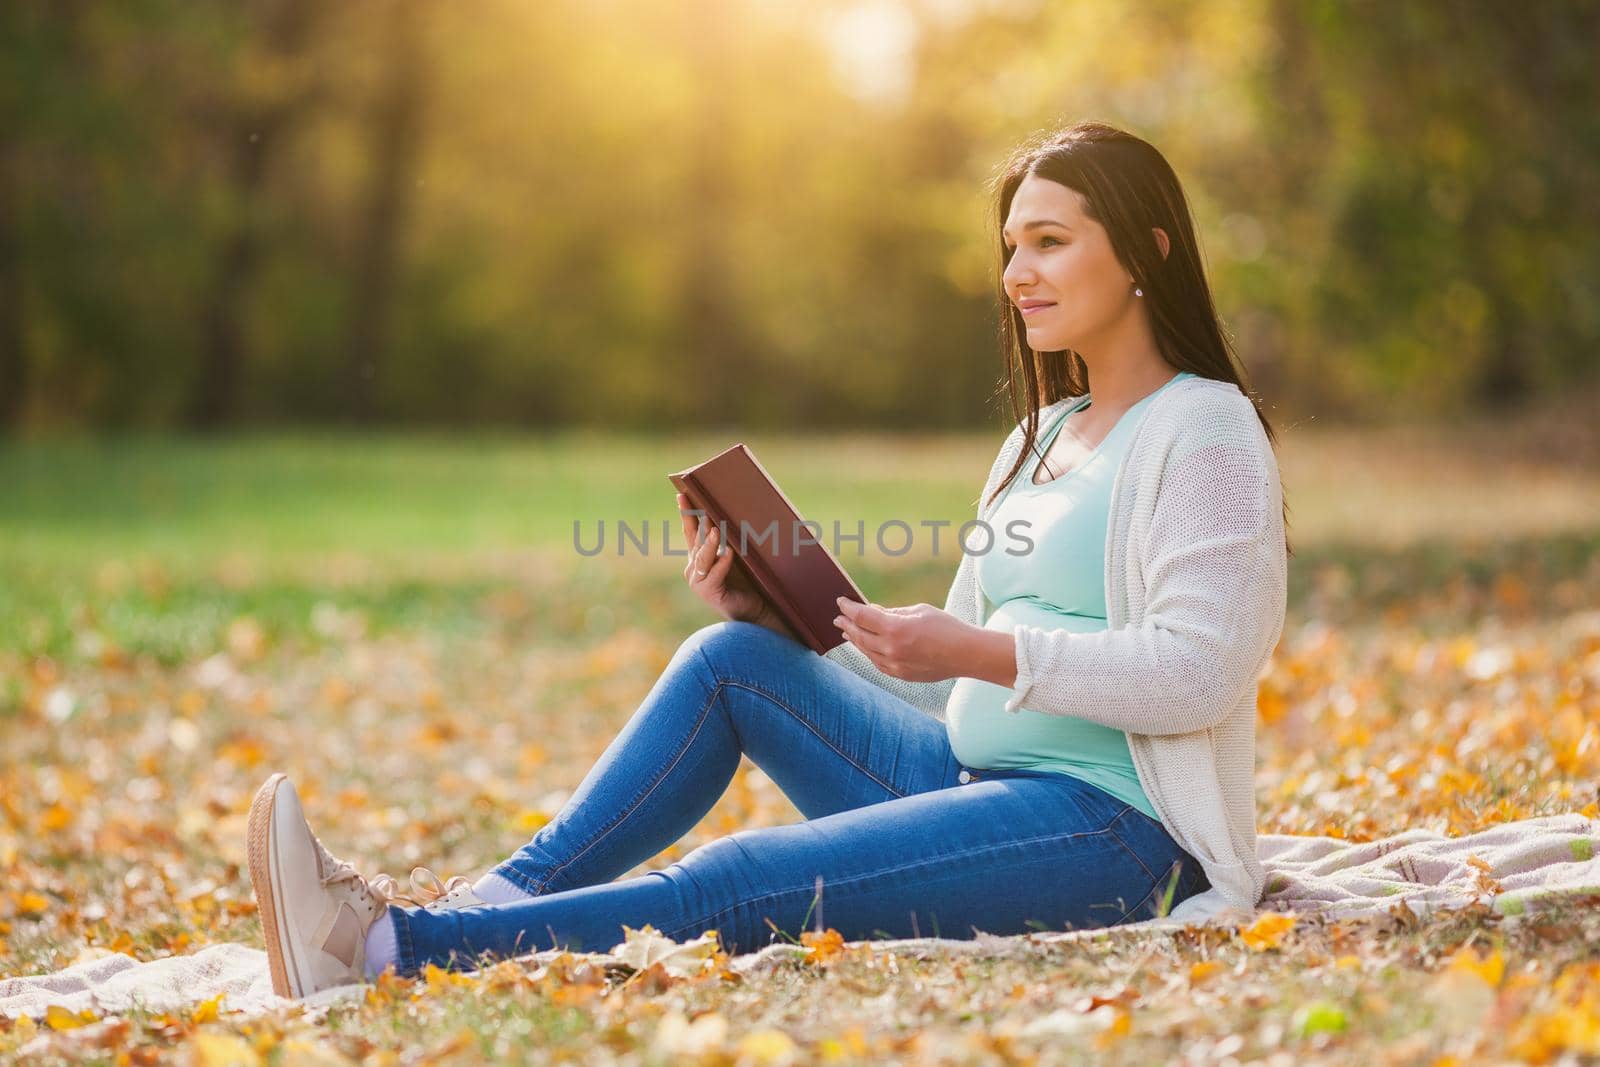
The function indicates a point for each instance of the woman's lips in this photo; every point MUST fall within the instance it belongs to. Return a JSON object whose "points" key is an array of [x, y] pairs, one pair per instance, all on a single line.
{"points": [[1036, 309]]}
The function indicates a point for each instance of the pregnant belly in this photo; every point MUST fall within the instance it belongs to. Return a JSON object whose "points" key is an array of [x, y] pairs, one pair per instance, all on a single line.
{"points": [[983, 734]]}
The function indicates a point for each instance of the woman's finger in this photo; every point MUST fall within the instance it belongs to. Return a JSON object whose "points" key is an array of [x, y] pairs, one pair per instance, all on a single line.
{"points": [[862, 616], [724, 558], [686, 519], [704, 559], [863, 640], [691, 551]]}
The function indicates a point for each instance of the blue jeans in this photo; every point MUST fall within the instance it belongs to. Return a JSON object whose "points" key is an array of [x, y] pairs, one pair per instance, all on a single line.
{"points": [[907, 841]]}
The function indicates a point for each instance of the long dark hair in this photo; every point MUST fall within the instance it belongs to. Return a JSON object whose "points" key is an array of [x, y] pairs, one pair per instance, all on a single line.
{"points": [[1128, 187]]}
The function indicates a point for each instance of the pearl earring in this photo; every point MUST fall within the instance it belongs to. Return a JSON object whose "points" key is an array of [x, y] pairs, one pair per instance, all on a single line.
{"points": [[1138, 292]]}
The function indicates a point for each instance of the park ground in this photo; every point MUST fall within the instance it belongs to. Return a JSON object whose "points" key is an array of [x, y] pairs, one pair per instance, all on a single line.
{"points": [[403, 623]]}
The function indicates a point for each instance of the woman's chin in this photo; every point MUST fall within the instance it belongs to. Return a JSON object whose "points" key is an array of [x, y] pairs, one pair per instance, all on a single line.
{"points": [[1047, 341]]}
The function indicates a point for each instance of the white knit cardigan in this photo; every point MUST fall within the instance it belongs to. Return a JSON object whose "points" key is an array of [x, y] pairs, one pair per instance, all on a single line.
{"points": [[1195, 581]]}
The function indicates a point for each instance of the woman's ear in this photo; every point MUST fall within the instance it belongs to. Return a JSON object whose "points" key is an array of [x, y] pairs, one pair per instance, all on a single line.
{"points": [[1162, 241]]}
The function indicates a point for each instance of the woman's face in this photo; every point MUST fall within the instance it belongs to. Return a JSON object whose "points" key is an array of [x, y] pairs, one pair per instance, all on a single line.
{"points": [[1062, 263]]}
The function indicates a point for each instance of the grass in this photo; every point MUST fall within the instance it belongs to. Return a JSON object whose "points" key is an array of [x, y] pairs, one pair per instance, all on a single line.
{"points": [[403, 621]]}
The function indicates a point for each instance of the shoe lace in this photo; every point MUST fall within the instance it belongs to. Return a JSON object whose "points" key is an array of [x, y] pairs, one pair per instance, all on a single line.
{"points": [[425, 883], [381, 888], [425, 887]]}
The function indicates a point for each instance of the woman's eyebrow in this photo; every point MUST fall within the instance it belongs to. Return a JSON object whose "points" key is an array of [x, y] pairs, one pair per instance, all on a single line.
{"points": [[1036, 223]]}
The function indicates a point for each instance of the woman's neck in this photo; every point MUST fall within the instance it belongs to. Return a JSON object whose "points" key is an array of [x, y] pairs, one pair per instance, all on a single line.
{"points": [[1126, 368], [1119, 386]]}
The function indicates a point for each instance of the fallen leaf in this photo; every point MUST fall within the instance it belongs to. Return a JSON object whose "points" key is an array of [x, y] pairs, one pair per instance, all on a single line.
{"points": [[1319, 1017], [223, 1050], [768, 1047], [825, 946], [676, 1035], [1491, 969], [206, 1011], [646, 947], [59, 1018], [1267, 931]]}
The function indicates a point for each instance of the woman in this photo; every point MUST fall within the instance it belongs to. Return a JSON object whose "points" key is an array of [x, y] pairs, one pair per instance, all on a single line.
{"points": [[1082, 756]]}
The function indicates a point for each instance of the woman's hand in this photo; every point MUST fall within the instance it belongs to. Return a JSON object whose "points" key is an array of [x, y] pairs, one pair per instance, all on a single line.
{"points": [[920, 643], [713, 577]]}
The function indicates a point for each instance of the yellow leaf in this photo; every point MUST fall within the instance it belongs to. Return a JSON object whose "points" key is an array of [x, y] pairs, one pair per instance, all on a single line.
{"points": [[54, 819], [31, 903], [1203, 970], [206, 1011], [59, 1018], [1117, 1028], [532, 819], [1491, 969], [438, 978], [825, 945], [1564, 1029], [767, 1046], [851, 1044], [223, 1050], [242, 752], [1267, 931]]}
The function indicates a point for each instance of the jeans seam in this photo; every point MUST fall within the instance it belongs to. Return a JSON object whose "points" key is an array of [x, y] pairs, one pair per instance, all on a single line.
{"points": [[1044, 838], [820, 736], [1142, 900], [1111, 826], [634, 804]]}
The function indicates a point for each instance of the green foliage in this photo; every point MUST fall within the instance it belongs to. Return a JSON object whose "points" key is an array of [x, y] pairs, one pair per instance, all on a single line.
{"points": [[740, 213]]}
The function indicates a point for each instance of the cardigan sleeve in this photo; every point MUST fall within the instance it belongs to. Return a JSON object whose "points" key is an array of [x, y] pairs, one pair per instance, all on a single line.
{"points": [[1213, 567]]}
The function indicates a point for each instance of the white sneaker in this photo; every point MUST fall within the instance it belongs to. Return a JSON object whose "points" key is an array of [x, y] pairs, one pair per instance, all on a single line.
{"points": [[315, 909]]}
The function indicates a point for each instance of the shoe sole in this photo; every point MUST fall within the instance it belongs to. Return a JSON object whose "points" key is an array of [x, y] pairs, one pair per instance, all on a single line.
{"points": [[258, 849]]}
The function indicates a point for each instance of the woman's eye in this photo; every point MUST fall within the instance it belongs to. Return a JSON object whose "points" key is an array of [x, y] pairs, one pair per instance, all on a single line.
{"points": [[1042, 240]]}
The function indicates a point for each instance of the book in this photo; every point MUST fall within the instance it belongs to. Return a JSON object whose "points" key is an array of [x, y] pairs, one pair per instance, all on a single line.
{"points": [[783, 559]]}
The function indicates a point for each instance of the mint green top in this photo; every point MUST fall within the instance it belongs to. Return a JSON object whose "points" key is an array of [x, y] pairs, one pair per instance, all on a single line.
{"points": [[1057, 584]]}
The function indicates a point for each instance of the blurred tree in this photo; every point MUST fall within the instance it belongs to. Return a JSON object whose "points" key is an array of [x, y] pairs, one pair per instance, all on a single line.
{"points": [[273, 91], [721, 360], [395, 127], [1446, 157], [13, 357]]}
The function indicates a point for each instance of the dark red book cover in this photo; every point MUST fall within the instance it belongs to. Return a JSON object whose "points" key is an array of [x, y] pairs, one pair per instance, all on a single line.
{"points": [[797, 576]]}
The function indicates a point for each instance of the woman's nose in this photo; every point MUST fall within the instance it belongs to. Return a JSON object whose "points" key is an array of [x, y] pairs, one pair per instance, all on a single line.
{"points": [[1016, 272]]}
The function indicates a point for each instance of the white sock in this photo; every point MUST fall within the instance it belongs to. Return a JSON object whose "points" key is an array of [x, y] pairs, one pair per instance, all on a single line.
{"points": [[383, 949], [493, 889]]}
